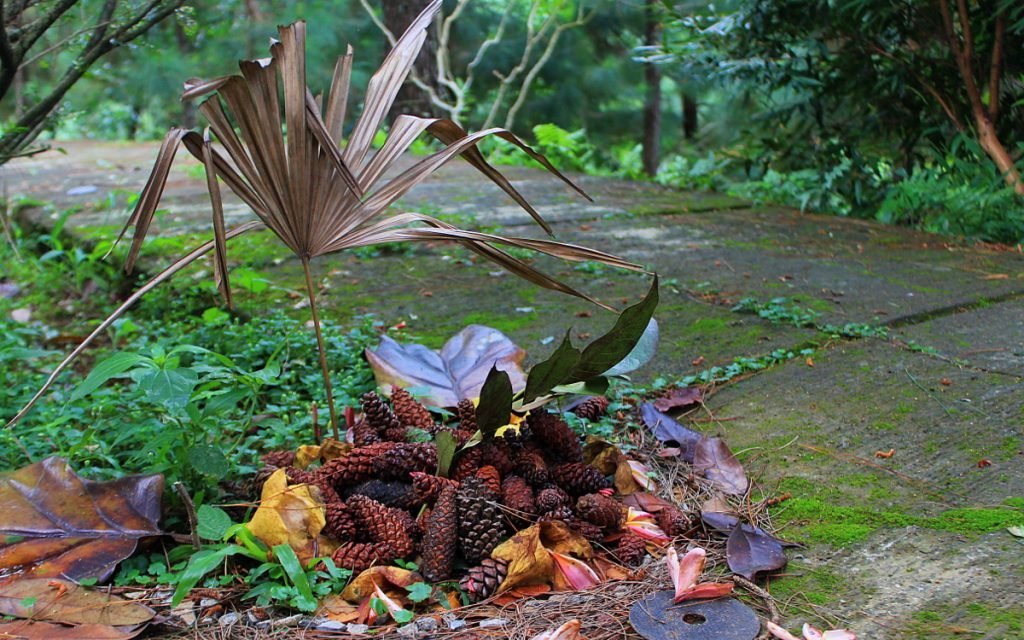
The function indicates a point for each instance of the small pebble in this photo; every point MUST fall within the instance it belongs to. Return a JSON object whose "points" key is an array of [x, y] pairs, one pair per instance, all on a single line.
{"points": [[330, 625], [357, 628], [493, 623], [228, 619], [427, 624], [453, 622], [184, 613], [290, 621], [207, 602], [409, 631]]}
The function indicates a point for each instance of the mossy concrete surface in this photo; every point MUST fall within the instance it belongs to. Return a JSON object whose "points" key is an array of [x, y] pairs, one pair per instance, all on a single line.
{"points": [[902, 456]]}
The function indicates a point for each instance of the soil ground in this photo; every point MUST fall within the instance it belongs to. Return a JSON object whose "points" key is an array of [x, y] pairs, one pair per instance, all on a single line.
{"points": [[906, 546]]}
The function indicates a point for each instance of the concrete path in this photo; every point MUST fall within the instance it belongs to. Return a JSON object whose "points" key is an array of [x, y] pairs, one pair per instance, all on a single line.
{"points": [[909, 545]]}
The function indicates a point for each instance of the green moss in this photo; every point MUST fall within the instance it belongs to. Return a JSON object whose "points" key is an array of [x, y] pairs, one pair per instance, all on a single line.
{"points": [[816, 586], [506, 323]]}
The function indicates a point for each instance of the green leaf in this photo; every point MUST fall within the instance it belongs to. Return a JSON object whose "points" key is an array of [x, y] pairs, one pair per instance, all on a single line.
{"points": [[419, 591], [402, 616], [446, 446], [112, 367], [546, 375], [208, 460], [170, 387], [212, 522], [293, 569], [495, 403], [200, 564], [608, 350]]}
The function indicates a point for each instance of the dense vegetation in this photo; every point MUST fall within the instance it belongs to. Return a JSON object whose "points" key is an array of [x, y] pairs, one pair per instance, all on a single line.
{"points": [[908, 112]]}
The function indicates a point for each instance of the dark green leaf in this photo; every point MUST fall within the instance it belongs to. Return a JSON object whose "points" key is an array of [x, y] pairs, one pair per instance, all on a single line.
{"points": [[208, 460], [552, 372], [419, 591], [202, 563], [212, 522], [112, 367], [495, 406], [608, 350], [446, 446], [293, 569]]}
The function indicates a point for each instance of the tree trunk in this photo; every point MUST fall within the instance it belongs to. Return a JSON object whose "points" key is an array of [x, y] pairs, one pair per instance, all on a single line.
{"points": [[398, 15], [652, 101], [689, 115], [989, 141]]}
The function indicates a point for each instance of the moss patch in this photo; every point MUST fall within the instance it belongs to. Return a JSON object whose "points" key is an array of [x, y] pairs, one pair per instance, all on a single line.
{"points": [[816, 586]]}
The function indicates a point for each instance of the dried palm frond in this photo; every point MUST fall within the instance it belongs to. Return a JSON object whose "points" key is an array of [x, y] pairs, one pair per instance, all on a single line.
{"points": [[316, 192]]}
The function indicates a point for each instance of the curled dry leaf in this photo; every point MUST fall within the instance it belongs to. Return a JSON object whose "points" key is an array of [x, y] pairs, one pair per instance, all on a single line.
{"points": [[455, 373], [572, 573], [679, 398], [809, 633], [39, 599], [387, 576], [669, 431], [33, 630], [686, 572], [642, 524], [568, 631], [715, 460], [528, 553], [643, 501], [288, 514], [750, 551], [56, 523]]}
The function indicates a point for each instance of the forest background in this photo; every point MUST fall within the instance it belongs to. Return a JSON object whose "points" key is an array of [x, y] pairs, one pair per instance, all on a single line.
{"points": [[907, 112]]}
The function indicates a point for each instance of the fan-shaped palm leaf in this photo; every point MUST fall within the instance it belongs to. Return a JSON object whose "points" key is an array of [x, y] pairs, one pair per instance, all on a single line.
{"points": [[316, 192]]}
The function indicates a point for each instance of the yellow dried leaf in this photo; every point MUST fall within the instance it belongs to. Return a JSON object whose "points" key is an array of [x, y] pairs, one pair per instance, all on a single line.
{"points": [[365, 584], [625, 483], [288, 514], [529, 562], [331, 449], [602, 455], [306, 455]]}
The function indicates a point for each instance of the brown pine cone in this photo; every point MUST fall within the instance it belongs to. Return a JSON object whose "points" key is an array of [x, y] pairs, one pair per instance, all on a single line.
{"points": [[578, 478], [563, 513], [603, 511], [555, 436], [588, 530], [592, 408], [360, 556], [327, 491], [409, 411], [631, 550], [491, 476], [517, 496], [396, 434], [552, 497], [531, 466], [382, 524], [466, 463], [377, 413], [390, 493], [498, 454], [340, 523], [673, 521], [278, 458], [298, 476], [466, 413], [428, 486], [481, 525], [481, 581], [363, 433], [441, 538], [357, 465], [405, 457]]}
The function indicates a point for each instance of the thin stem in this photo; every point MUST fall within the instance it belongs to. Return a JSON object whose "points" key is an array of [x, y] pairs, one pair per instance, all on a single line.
{"points": [[320, 346]]}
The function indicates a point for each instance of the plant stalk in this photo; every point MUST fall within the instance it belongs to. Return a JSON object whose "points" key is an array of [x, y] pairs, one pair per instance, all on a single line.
{"points": [[320, 346]]}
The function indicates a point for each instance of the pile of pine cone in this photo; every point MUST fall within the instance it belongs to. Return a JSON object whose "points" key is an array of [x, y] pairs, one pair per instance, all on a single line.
{"points": [[376, 493]]}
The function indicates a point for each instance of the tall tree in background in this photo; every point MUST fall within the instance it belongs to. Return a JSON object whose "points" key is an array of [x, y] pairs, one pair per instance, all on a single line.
{"points": [[37, 30], [652, 100], [398, 15]]}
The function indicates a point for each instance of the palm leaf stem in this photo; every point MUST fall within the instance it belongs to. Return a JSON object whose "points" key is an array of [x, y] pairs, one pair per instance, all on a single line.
{"points": [[320, 345]]}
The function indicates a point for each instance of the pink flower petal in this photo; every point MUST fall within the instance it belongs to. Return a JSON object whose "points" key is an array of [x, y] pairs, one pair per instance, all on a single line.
{"points": [[576, 572], [568, 631], [641, 475], [838, 634], [642, 524], [779, 632], [706, 590]]}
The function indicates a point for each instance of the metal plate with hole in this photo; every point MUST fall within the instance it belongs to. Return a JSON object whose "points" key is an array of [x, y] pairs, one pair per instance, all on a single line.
{"points": [[656, 618]]}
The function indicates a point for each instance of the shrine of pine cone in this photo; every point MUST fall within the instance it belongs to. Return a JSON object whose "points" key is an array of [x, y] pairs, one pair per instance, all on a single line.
{"points": [[384, 501]]}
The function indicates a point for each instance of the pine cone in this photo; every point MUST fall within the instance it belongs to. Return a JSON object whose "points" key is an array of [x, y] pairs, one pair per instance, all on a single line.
{"points": [[564, 513], [481, 526], [603, 511], [482, 581], [428, 487], [498, 454], [360, 556], [588, 530], [466, 463], [517, 496], [409, 411], [531, 466], [340, 523], [377, 413], [441, 538], [491, 476], [364, 433], [552, 497], [405, 457], [390, 493], [592, 408], [555, 436], [382, 524], [631, 550], [278, 458], [466, 413], [327, 492], [673, 521], [396, 434], [578, 478], [358, 465]]}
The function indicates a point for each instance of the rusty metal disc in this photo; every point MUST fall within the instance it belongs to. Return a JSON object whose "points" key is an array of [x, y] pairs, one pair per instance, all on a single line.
{"points": [[656, 618]]}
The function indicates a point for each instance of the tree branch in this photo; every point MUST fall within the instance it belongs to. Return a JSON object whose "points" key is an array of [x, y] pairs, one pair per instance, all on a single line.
{"points": [[927, 86], [996, 67]]}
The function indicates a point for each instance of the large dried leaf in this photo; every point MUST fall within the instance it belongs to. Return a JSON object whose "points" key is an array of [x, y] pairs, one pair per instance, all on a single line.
{"points": [[455, 373], [528, 557], [749, 551], [667, 430], [56, 523], [716, 461], [288, 514], [64, 601], [31, 630]]}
